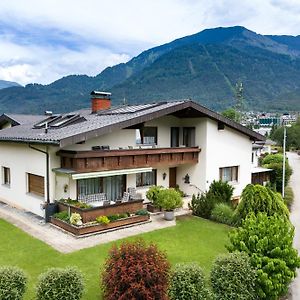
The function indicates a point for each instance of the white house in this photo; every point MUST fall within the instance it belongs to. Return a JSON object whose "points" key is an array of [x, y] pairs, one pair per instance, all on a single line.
{"points": [[110, 149]]}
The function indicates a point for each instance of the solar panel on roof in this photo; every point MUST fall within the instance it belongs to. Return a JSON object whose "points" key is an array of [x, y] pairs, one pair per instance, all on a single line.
{"points": [[59, 121], [130, 109]]}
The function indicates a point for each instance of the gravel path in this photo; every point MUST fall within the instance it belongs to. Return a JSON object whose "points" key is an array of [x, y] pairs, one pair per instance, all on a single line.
{"points": [[294, 161]]}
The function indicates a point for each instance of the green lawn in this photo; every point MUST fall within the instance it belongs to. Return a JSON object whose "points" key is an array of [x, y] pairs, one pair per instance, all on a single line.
{"points": [[192, 239]]}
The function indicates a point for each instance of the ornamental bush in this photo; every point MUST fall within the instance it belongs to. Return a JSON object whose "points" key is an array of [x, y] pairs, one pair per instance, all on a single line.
{"points": [[169, 199], [103, 220], [275, 162], [152, 194], [220, 191], [288, 197], [257, 198], [136, 271], [201, 206], [222, 213], [233, 277], [268, 241], [76, 219], [188, 283], [63, 284], [12, 283]]}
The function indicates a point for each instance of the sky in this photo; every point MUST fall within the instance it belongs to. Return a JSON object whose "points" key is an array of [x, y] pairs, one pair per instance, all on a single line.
{"points": [[44, 40]]}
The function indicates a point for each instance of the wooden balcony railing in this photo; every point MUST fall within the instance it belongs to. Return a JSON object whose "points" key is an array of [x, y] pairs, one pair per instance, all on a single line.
{"points": [[105, 160]]}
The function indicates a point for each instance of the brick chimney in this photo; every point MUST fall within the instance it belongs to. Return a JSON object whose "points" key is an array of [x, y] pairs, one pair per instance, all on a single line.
{"points": [[100, 101]]}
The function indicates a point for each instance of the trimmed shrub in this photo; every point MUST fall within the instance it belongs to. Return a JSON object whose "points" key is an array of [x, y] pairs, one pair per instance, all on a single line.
{"points": [[222, 213], [257, 198], [220, 191], [268, 241], [169, 199], [288, 196], [233, 277], [188, 283], [12, 283], [202, 206], [63, 284], [135, 271], [275, 162], [152, 194]]}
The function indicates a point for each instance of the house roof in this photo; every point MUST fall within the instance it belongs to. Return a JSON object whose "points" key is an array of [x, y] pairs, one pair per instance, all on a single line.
{"points": [[106, 121], [19, 119]]}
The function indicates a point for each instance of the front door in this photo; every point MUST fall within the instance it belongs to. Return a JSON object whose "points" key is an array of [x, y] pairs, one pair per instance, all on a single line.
{"points": [[172, 177]]}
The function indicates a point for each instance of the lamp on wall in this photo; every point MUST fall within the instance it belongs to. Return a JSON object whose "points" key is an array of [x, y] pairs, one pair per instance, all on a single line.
{"points": [[164, 175], [186, 178]]}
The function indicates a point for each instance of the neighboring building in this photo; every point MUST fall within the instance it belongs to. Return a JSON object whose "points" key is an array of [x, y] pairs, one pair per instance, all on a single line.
{"points": [[259, 175], [108, 150]]}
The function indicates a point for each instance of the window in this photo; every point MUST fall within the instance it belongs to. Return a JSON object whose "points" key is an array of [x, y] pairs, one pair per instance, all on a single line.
{"points": [[189, 136], [112, 186], [146, 179], [36, 184], [6, 175], [229, 174], [146, 135]]}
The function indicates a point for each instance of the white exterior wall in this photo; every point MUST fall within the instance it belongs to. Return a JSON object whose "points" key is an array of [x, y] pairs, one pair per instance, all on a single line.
{"points": [[119, 138], [22, 160], [227, 148], [219, 148]]}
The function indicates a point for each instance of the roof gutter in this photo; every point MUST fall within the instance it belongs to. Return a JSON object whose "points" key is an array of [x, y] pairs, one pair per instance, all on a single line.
{"points": [[23, 141], [47, 170]]}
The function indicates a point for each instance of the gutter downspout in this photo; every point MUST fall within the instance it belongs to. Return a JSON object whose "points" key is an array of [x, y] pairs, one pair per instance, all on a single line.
{"points": [[47, 170]]}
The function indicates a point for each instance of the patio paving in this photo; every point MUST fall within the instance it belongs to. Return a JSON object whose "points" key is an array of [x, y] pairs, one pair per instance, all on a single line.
{"points": [[65, 242]]}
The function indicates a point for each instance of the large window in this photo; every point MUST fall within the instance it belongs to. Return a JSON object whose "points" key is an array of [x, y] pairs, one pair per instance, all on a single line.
{"points": [[229, 174], [146, 179], [146, 135], [6, 175], [36, 184], [112, 186]]}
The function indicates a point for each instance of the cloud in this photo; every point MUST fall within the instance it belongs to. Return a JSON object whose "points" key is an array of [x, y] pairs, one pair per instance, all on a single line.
{"points": [[41, 41]]}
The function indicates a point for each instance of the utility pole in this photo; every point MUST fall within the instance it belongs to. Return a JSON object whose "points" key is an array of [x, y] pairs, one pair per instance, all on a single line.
{"points": [[283, 163]]}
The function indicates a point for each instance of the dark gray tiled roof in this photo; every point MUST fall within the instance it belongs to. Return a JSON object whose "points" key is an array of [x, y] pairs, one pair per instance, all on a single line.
{"points": [[25, 119], [102, 123]]}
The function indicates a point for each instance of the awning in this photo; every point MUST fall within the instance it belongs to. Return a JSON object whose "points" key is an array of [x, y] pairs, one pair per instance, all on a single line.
{"points": [[260, 170], [110, 173]]}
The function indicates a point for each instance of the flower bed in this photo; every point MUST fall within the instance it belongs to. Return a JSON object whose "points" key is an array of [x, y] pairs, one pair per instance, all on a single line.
{"points": [[97, 227], [91, 213]]}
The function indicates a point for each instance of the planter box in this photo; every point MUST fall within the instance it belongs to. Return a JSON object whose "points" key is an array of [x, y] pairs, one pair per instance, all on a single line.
{"points": [[86, 229], [90, 214], [151, 208]]}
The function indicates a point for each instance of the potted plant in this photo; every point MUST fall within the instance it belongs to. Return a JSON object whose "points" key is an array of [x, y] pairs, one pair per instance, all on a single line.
{"points": [[152, 195], [168, 200]]}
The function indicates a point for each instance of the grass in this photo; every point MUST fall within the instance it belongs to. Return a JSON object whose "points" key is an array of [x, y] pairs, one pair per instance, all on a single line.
{"points": [[192, 239]]}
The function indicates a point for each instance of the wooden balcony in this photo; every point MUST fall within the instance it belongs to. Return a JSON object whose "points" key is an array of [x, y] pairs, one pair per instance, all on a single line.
{"points": [[105, 160]]}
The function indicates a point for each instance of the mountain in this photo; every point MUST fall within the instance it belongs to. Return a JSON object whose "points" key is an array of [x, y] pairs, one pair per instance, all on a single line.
{"points": [[6, 84], [204, 67]]}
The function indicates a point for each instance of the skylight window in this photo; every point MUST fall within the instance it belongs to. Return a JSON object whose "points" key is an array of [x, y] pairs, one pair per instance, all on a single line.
{"points": [[59, 121]]}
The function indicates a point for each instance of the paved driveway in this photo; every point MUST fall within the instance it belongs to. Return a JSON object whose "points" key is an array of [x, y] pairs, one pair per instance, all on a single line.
{"points": [[294, 161]]}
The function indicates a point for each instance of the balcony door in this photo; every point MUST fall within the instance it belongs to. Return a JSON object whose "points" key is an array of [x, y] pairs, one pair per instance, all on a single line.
{"points": [[189, 136], [172, 177], [174, 137]]}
